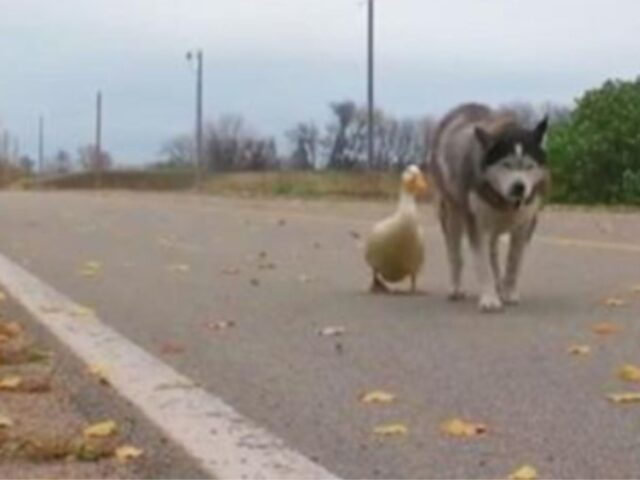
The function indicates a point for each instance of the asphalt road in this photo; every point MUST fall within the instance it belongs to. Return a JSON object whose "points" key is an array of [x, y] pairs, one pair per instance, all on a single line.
{"points": [[172, 266]]}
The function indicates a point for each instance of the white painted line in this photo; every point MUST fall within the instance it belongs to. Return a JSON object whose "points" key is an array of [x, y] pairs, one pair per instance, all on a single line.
{"points": [[227, 444]]}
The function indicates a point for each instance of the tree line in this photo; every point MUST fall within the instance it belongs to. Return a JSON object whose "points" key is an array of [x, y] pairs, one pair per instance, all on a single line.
{"points": [[230, 144]]}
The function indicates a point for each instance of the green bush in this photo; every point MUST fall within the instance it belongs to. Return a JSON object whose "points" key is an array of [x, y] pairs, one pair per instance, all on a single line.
{"points": [[595, 154]]}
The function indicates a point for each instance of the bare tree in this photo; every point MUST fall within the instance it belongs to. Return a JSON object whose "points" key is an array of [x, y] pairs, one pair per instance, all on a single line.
{"points": [[397, 142], [89, 159], [62, 162], [345, 113], [231, 145], [304, 138], [178, 152]]}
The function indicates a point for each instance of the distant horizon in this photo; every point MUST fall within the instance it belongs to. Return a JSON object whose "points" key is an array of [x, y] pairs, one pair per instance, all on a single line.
{"points": [[280, 63]]}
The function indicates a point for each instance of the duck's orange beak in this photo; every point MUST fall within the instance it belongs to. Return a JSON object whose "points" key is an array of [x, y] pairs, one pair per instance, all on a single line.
{"points": [[421, 184], [417, 185]]}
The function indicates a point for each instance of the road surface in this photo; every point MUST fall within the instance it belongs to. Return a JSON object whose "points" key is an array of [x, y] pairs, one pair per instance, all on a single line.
{"points": [[172, 267]]}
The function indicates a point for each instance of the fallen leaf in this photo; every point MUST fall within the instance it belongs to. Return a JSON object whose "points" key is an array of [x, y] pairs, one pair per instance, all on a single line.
{"points": [[355, 235], [629, 373], [526, 472], [605, 328], [306, 278], [579, 350], [50, 309], [377, 397], [626, 397], [126, 453], [90, 268], [614, 302], [332, 331], [4, 338], [180, 268], [391, 430], [5, 422], [11, 382], [255, 282], [635, 289], [172, 348], [317, 245], [219, 326], [461, 428], [101, 429], [80, 311], [10, 329], [267, 266], [100, 371], [262, 255], [230, 271], [282, 222], [3, 296]]}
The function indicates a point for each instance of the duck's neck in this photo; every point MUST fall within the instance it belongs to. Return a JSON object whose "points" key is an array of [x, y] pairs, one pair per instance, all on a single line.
{"points": [[407, 202]]}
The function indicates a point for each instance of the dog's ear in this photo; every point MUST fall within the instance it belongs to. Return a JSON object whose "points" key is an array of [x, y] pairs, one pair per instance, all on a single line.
{"points": [[484, 137], [540, 130]]}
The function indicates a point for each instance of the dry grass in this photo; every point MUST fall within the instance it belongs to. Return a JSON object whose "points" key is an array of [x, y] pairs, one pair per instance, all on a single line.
{"points": [[359, 185], [355, 185]]}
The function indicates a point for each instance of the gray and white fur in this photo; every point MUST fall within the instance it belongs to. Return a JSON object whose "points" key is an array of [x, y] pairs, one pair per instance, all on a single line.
{"points": [[490, 174]]}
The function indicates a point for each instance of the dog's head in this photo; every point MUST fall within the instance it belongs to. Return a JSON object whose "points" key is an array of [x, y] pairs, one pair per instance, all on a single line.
{"points": [[514, 160]]}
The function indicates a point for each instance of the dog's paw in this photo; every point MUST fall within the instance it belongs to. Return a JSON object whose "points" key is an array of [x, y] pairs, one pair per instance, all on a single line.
{"points": [[457, 295], [489, 302], [510, 296]]}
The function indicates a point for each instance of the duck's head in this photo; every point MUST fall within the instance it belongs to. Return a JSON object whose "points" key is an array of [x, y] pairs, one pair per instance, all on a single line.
{"points": [[413, 181]]}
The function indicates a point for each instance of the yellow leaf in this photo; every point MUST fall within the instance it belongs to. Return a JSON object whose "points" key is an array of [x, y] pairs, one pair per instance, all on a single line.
{"points": [[627, 397], [10, 382], [126, 453], [460, 428], [10, 329], [636, 289], [579, 350], [3, 296], [180, 268], [378, 397], [614, 302], [101, 429], [332, 331], [630, 373], [230, 271], [5, 422], [90, 268], [100, 371], [80, 311], [526, 472], [50, 309], [605, 328], [391, 430]]}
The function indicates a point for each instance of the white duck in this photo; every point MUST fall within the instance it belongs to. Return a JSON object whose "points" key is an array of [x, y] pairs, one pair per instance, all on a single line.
{"points": [[395, 246]]}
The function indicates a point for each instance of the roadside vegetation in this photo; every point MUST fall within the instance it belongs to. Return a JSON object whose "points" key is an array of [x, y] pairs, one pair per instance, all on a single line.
{"points": [[594, 153]]}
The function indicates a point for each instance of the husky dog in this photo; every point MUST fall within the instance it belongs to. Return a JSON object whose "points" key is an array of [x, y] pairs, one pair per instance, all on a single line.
{"points": [[490, 173]]}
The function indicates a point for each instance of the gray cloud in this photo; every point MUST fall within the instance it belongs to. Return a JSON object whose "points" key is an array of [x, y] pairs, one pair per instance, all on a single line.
{"points": [[279, 61]]}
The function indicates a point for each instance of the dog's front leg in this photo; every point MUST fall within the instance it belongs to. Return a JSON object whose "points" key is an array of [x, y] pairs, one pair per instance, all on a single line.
{"points": [[517, 246], [489, 298]]}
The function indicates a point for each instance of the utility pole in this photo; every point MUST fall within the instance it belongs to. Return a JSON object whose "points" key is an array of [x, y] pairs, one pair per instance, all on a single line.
{"points": [[370, 82], [41, 145], [98, 145], [199, 160]]}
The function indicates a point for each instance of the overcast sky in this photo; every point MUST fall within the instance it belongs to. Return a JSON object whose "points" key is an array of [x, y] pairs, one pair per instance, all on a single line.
{"points": [[280, 61]]}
